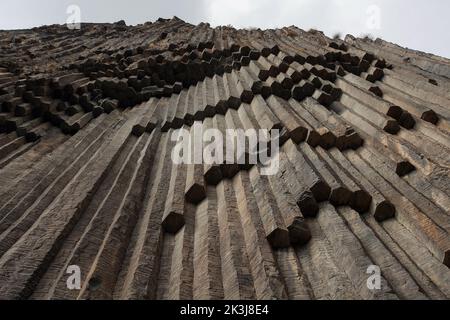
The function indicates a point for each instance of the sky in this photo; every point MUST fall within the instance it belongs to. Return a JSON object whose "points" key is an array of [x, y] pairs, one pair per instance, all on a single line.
{"points": [[416, 24]]}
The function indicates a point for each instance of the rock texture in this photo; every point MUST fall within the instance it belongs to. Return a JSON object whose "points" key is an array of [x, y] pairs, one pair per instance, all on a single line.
{"points": [[87, 177]]}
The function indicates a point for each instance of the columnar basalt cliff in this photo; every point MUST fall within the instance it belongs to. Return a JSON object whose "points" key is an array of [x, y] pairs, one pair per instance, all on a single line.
{"points": [[87, 177]]}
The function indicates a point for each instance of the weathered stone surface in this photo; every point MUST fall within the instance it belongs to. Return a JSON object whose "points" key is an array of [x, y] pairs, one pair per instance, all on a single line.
{"points": [[87, 173]]}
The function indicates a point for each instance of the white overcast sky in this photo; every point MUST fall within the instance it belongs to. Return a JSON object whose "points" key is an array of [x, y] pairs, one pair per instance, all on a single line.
{"points": [[418, 24]]}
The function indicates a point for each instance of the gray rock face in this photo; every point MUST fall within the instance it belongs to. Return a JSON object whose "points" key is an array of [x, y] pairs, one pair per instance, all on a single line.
{"points": [[87, 177]]}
